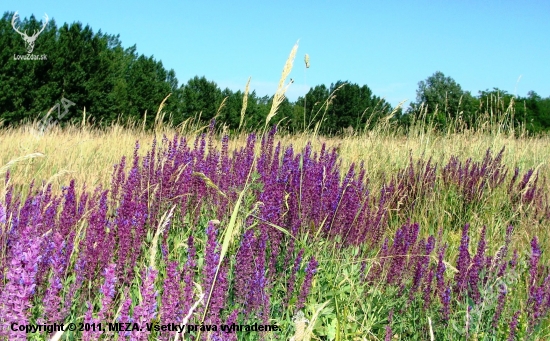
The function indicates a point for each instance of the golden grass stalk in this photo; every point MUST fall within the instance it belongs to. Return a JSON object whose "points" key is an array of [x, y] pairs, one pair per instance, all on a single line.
{"points": [[57, 336], [432, 338], [300, 321], [279, 96], [159, 117], [209, 183], [326, 105], [245, 102], [163, 223], [144, 120], [58, 175], [220, 108], [13, 162], [232, 230], [186, 319]]}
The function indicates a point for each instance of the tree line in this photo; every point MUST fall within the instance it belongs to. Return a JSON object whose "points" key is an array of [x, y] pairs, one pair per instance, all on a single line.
{"points": [[114, 83]]}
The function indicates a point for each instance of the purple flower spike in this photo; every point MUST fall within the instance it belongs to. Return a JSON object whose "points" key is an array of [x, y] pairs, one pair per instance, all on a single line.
{"points": [[463, 262], [477, 266], [146, 311], [306, 285], [513, 327], [17, 294], [171, 309], [108, 291]]}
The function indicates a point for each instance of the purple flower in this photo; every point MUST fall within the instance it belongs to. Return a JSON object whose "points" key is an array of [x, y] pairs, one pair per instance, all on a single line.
{"points": [[16, 297], [108, 291], [292, 280], [188, 275], [244, 272], [477, 266], [146, 311], [53, 296], [214, 282], [513, 326], [2, 214], [171, 309], [89, 335], [534, 261], [388, 336], [445, 297], [427, 296], [500, 305], [463, 262], [440, 273], [124, 316], [231, 319], [311, 269]]}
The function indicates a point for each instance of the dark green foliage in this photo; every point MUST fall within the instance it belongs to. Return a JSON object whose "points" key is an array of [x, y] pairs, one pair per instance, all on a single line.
{"points": [[200, 96], [351, 106], [442, 103], [90, 69], [113, 83], [444, 100]]}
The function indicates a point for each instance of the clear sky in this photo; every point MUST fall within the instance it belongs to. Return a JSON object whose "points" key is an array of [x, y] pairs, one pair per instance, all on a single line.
{"points": [[388, 45]]}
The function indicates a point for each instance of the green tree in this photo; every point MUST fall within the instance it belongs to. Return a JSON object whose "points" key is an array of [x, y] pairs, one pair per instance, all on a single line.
{"points": [[443, 99], [352, 106], [90, 69], [231, 112], [200, 96], [313, 106], [535, 112]]}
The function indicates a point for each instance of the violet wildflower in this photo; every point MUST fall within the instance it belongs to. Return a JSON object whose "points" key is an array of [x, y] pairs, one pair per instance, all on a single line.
{"points": [[311, 269], [501, 300], [53, 296], [427, 296], [463, 262], [69, 214], [421, 265], [214, 280], [171, 308], [107, 289], [2, 214], [513, 180], [476, 267], [17, 294], [73, 288], [94, 250], [445, 297], [513, 326], [534, 261], [231, 320], [89, 335], [124, 316], [388, 336], [292, 280], [502, 254], [188, 275], [146, 310], [258, 298], [245, 271]]}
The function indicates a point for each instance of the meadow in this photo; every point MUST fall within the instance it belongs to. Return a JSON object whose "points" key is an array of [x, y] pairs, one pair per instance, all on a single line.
{"points": [[183, 232], [418, 235]]}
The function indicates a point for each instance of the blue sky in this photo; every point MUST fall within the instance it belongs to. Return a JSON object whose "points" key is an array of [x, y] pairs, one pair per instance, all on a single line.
{"points": [[388, 45]]}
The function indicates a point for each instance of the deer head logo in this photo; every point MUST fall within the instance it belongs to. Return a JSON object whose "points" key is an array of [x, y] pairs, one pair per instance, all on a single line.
{"points": [[29, 41]]}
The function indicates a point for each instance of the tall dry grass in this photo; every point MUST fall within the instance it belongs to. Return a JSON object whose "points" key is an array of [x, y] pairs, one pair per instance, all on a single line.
{"points": [[88, 154]]}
